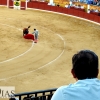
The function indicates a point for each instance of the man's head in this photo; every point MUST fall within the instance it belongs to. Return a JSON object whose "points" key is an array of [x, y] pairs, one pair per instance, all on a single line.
{"points": [[13, 99], [34, 29], [85, 65]]}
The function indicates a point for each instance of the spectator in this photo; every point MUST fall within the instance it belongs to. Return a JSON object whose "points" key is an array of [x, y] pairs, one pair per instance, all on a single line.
{"points": [[88, 11], [79, 6], [26, 98], [98, 3], [13, 99], [58, 5], [29, 98], [96, 10], [70, 3], [67, 6], [95, 2], [89, 1], [85, 70], [92, 10], [82, 7]]}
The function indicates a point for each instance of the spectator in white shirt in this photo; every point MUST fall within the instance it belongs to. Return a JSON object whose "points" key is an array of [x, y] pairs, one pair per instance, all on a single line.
{"points": [[85, 69], [96, 10], [82, 7], [88, 11], [66, 6]]}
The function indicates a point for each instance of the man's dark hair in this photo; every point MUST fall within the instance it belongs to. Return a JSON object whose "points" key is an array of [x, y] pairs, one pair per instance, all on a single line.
{"points": [[34, 29], [85, 64]]}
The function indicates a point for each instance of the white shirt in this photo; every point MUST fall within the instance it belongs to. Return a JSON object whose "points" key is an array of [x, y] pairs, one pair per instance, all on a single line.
{"points": [[36, 32], [87, 89], [66, 6], [82, 7], [88, 11], [96, 10]]}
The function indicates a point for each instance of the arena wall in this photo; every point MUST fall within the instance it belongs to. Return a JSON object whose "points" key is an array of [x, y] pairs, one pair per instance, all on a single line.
{"points": [[72, 11], [44, 6], [3, 2]]}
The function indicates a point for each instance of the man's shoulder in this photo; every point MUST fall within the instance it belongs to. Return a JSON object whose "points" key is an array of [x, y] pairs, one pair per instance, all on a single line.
{"points": [[66, 87], [81, 84], [73, 86]]}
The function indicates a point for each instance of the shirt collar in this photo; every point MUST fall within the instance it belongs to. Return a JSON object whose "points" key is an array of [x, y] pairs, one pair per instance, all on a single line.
{"points": [[88, 81]]}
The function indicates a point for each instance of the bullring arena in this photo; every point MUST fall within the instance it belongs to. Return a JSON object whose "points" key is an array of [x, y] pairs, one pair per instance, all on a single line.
{"points": [[47, 64]]}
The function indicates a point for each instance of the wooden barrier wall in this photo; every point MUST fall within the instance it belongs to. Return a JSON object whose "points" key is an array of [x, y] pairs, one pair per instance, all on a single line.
{"points": [[74, 12], [3, 2]]}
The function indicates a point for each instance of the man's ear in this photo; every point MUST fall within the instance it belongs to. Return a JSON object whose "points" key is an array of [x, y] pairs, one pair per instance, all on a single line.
{"points": [[73, 73]]}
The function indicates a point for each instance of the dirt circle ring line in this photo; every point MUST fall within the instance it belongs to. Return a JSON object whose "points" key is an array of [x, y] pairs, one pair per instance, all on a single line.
{"points": [[3, 79], [20, 54]]}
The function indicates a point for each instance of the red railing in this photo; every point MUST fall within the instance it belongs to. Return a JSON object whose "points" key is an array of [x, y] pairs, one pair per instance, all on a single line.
{"points": [[3, 2]]}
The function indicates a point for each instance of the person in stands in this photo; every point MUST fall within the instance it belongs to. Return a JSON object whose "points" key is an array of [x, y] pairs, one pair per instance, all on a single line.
{"points": [[85, 69], [13, 99]]}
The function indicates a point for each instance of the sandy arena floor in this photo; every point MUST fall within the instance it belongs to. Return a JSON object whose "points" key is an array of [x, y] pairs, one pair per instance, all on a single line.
{"points": [[47, 64]]}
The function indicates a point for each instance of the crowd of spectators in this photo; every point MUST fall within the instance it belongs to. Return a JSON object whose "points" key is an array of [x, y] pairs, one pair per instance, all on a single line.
{"points": [[93, 10], [92, 2]]}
